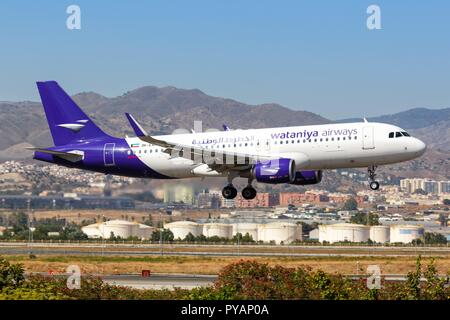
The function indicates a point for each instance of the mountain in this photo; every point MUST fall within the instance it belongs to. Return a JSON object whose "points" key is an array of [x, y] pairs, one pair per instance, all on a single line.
{"points": [[411, 119]]}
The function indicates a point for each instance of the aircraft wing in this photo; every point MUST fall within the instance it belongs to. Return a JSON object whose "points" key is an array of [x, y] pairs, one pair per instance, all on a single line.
{"points": [[219, 160]]}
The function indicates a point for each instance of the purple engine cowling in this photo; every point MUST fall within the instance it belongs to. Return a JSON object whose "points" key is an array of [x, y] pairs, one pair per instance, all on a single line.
{"points": [[275, 171], [307, 177]]}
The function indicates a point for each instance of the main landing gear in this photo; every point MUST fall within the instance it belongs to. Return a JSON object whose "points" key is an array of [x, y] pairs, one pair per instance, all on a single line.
{"points": [[230, 192], [374, 185]]}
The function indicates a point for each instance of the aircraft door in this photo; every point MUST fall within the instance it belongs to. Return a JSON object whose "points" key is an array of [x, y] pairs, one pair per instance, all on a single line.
{"points": [[263, 146], [368, 138], [108, 154]]}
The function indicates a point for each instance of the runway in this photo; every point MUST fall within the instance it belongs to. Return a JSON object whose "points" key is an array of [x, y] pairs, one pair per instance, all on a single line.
{"points": [[158, 281], [98, 249]]}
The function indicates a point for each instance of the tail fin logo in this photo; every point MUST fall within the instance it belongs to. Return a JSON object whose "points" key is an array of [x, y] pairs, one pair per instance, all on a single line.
{"points": [[75, 127]]}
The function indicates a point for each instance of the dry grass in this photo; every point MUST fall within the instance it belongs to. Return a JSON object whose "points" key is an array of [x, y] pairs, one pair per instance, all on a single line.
{"points": [[209, 265]]}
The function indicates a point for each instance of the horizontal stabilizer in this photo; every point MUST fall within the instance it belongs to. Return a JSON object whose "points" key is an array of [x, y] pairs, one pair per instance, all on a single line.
{"points": [[69, 156]]}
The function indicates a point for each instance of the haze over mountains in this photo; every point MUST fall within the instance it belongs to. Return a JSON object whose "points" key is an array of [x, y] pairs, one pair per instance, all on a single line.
{"points": [[162, 110]]}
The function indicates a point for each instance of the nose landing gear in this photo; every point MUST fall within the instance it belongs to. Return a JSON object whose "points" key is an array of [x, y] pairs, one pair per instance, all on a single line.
{"points": [[374, 185]]}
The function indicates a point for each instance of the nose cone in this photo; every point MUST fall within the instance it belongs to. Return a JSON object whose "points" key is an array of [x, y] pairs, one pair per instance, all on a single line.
{"points": [[419, 147]]}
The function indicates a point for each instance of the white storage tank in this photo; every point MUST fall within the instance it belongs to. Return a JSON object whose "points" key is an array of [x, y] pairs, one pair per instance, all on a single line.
{"points": [[279, 232], [341, 232], [380, 234], [92, 231], [181, 229], [120, 228], [406, 233], [220, 230], [243, 228]]}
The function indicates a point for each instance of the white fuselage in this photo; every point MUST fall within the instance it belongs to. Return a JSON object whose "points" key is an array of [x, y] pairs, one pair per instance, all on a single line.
{"points": [[316, 147]]}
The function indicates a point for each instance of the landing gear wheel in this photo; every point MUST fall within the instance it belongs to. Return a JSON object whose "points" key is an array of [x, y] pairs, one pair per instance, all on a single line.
{"points": [[374, 185], [249, 193], [229, 192]]}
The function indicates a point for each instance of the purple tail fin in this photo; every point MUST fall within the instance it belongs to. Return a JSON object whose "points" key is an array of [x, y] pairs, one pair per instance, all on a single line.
{"points": [[67, 122]]}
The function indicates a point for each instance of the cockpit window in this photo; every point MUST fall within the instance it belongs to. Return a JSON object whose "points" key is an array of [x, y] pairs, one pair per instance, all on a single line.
{"points": [[406, 134], [398, 134], [391, 134]]}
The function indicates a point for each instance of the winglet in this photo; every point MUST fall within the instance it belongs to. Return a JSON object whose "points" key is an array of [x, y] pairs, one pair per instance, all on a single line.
{"points": [[138, 130], [225, 127]]}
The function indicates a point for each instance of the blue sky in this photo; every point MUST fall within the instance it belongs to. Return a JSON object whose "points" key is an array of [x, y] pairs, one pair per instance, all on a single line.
{"points": [[306, 55]]}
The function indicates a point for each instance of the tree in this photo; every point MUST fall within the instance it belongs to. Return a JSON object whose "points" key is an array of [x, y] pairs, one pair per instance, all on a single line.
{"points": [[435, 238], [11, 275], [166, 233], [246, 238], [350, 204], [361, 218], [189, 237]]}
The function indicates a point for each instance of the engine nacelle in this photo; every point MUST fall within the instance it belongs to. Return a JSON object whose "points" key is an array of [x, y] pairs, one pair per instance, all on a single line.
{"points": [[275, 171], [307, 177]]}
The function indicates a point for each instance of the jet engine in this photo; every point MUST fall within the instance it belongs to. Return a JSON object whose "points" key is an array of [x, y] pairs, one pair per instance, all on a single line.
{"points": [[307, 177], [275, 171]]}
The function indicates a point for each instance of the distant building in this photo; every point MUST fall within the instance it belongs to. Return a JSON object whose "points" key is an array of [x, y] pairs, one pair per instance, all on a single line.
{"points": [[297, 199], [66, 202], [205, 199], [262, 199], [184, 193], [430, 186]]}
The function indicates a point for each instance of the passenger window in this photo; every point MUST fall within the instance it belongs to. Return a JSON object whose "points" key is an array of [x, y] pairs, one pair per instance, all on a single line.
{"points": [[391, 134], [398, 134]]}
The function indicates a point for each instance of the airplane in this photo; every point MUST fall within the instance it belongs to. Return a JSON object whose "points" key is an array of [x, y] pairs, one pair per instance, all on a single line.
{"points": [[293, 155]]}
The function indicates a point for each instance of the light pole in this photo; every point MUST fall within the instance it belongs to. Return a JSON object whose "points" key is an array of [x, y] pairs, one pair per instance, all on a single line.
{"points": [[161, 232], [30, 231]]}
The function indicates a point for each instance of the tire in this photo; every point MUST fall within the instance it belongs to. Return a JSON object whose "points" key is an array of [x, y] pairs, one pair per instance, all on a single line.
{"points": [[248, 193], [229, 192], [374, 185]]}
